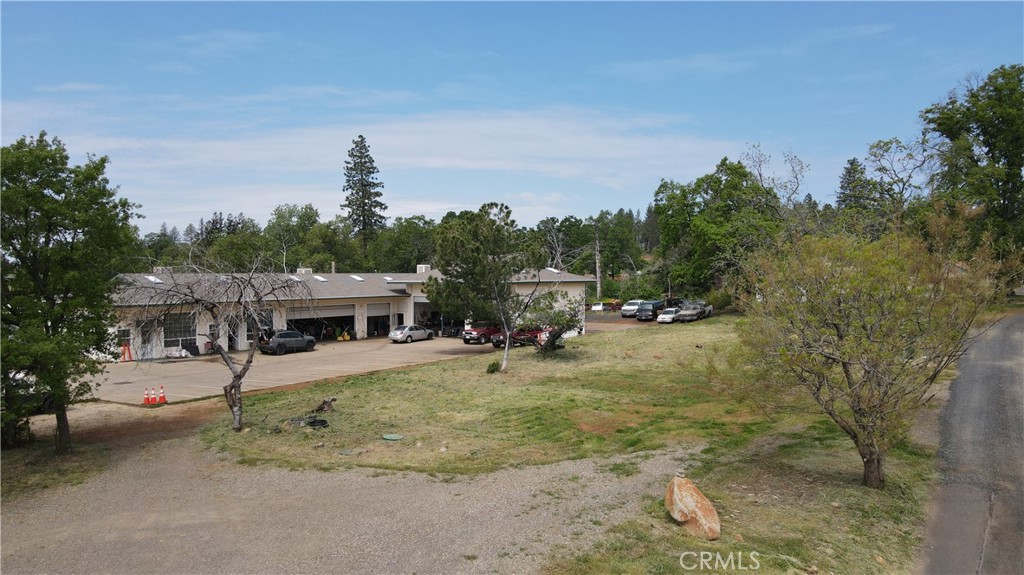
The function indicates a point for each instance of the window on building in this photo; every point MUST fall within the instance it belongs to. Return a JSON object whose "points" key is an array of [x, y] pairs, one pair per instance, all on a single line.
{"points": [[179, 330], [263, 322], [124, 336]]}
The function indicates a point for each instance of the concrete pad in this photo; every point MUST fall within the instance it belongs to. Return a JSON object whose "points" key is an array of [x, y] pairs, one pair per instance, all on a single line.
{"points": [[205, 376]]}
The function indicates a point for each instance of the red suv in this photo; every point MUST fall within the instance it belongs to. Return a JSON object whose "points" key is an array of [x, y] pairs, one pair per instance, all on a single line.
{"points": [[480, 333], [521, 336]]}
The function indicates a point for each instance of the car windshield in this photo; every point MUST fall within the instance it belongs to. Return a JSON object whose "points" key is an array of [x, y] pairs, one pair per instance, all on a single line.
{"points": [[401, 328], [633, 303], [669, 311]]}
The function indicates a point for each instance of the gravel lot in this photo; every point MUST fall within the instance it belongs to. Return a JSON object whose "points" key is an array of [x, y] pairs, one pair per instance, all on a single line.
{"points": [[168, 506]]}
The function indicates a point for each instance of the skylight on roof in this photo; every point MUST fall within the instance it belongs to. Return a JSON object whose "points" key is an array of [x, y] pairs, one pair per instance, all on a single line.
{"points": [[295, 278], [357, 278], [388, 278], [155, 279], [320, 278], [553, 270]]}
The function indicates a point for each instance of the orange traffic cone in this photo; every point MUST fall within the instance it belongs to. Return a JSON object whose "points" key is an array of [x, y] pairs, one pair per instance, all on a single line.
{"points": [[145, 398], [163, 398]]}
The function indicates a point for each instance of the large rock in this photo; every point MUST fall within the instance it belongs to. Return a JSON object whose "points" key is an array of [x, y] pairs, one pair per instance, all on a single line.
{"points": [[688, 506]]}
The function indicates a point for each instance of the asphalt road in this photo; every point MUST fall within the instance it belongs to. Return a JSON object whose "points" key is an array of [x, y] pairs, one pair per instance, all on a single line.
{"points": [[977, 522]]}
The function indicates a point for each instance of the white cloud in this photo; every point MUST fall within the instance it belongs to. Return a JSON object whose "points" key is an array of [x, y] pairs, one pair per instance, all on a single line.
{"points": [[546, 162]]}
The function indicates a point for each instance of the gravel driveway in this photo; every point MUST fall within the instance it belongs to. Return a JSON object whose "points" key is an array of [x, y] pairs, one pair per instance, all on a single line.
{"points": [[169, 506]]}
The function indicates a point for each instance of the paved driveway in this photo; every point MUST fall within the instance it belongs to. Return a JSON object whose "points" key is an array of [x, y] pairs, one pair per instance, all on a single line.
{"points": [[206, 376], [977, 525]]}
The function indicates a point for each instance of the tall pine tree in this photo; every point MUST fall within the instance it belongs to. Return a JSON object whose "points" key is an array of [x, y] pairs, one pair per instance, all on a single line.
{"points": [[365, 210]]}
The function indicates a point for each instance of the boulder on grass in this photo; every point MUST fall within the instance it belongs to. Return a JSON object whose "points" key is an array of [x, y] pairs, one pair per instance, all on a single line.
{"points": [[689, 507]]}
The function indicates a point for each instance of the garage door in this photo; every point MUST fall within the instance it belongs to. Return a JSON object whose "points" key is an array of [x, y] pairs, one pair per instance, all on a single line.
{"points": [[378, 309], [322, 311]]}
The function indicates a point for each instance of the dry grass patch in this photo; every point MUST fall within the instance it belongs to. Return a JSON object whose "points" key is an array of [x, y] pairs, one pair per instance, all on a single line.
{"points": [[605, 394]]}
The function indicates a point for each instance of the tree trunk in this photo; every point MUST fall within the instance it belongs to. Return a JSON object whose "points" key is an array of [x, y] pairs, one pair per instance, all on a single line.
{"points": [[233, 395], [62, 439], [874, 468]]}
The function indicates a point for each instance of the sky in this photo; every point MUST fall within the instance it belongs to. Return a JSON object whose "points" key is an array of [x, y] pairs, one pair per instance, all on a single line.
{"points": [[555, 109]]}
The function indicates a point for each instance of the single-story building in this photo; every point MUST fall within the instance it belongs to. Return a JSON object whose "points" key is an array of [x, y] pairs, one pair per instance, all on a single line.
{"points": [[158, 316]]}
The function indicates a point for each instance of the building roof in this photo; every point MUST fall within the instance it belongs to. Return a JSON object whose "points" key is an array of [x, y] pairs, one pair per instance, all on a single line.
{"points": [[165, 286]]}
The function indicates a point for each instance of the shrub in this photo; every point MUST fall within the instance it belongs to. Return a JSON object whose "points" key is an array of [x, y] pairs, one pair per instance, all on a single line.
{"points": [[720, 298]]}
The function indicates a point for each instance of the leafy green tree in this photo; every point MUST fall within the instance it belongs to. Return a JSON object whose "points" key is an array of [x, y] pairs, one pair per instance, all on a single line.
{"points": [[711, 224], [862, 327], [65, 238], [859, 200], [569, 243], [365, 209], [559, 314], [284, 231], [403, 245], [481, 254], [236, 251], [217, 227], [330, 245], [979, 145], [165, 247], [650, 231]]}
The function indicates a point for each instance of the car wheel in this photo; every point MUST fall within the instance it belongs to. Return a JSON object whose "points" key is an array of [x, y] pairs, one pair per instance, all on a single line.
{"points": [[280, 349], [408, 339], [485, 339], [466, 341], [309, 346], [430, 335]]}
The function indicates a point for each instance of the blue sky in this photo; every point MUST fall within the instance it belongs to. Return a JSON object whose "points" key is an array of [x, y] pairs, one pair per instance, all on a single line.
{"points": [[552, 108]]}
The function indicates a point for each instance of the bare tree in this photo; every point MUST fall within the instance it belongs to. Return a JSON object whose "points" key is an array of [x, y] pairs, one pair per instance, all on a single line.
{"points": [[204, 294]]}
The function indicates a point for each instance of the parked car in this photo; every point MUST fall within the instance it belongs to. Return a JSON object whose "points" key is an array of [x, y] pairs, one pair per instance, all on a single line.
{"points": [[669, 315], [480, 334], [646, 312], [410, 333], [677, 302], [521, 336], [630, 307], [283, 341], [696, 310], [605, 306]]}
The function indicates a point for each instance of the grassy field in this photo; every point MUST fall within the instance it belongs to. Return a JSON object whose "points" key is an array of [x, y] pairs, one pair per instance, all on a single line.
{"points": [[786, 488], [604, 394]]}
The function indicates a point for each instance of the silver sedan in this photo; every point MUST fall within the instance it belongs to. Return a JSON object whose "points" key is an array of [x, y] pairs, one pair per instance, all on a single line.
{"points": [[410, 333]]}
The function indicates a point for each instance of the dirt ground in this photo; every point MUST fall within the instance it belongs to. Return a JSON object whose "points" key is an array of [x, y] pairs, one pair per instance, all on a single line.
{"points": [[166, 505], [117, 424]]}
